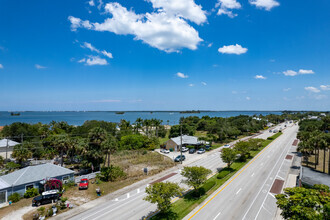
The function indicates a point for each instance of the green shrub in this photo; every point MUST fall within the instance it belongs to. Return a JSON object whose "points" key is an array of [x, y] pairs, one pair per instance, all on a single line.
{"points": [[50, 212], [41, 211], [15, 197], [224, 172], [62, 203], [31, 193], [208, 185], [111, 173]]}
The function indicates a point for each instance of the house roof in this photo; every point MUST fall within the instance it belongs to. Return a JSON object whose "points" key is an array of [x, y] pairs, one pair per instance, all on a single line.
{"points": [[33, 174], [186, 140], [3, 143]]}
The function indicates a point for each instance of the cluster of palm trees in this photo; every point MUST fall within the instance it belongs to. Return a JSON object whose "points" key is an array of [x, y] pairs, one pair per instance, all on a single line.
{"points": [[147, 126], [311, 142]]}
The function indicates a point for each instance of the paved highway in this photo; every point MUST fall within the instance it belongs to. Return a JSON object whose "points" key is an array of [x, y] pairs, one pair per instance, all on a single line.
{"points": [[248, 194], [132, 205]]}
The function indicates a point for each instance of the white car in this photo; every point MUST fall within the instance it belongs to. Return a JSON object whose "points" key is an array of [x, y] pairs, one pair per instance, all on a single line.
{"points": [[185, 149], [165, 151], [226, 145], [201, 151]]}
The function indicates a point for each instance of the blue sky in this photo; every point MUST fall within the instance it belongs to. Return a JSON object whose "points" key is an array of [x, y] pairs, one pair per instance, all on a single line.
{"points": [[165, 55]]}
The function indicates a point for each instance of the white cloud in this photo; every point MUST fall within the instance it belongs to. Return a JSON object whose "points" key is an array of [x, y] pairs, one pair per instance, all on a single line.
{"points": [[226, 7], [83, 60], [233, 49], [191, 85], [265, 4], [159, 29], [248, 98], [107, 101], [204, 83], [1, 66], [91, 3], [325, 87], [290, 73], [210, 45], [182, 75], [312, 89], [260, 77], [39, 66], [93, 49], [301, 71], [286, 89], [319, 97], [94, 60], [182, 8]]}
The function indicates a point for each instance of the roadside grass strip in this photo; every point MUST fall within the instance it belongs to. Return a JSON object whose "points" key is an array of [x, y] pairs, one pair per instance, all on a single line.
{"points": [[188, 202]]}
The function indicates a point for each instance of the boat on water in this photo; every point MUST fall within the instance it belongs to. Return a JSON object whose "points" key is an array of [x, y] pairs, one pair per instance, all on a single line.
{"points": [[15, 113]]}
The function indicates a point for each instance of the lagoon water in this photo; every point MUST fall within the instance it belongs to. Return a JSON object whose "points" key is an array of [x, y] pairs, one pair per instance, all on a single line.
{"points": [[78, 118]]}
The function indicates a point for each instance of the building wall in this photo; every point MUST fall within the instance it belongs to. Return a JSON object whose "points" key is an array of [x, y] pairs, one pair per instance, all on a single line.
{"points": [[171, 144]]}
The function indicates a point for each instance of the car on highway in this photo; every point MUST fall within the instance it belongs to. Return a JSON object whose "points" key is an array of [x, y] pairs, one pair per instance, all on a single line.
{"points": [[226, 145], [192, 150], [46, 198], [165, 151], [201, 151], [185, 149], [179, 158], [83, 184]]}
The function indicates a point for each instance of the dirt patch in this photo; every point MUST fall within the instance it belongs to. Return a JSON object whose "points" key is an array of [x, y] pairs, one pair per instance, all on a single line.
{"points": [[288, 157], [19, 213], [163, 178]]}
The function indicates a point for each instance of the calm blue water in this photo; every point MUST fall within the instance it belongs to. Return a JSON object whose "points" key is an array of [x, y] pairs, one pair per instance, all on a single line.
{"points": [[78, 118]]}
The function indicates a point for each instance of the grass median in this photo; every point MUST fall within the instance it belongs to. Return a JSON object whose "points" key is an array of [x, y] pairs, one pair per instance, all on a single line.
{"points": [[188, 202]]}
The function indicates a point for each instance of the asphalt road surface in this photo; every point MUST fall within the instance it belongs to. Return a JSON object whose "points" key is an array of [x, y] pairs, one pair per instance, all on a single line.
{"points": [[249, 194], [132, 205]]}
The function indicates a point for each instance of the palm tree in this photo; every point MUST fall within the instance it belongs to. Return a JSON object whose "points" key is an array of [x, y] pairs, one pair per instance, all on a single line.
{"points": [[62, 144], [138, 124], [109, 147], [322, 143]]}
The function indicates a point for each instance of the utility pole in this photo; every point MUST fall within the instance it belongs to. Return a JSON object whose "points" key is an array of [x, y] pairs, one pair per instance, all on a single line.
{"points": [[7, 149], [181, 142]]}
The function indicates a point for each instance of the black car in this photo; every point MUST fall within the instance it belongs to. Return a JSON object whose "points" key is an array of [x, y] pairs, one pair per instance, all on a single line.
{"points": [[192, 150], [45, 199], [178, 158]]}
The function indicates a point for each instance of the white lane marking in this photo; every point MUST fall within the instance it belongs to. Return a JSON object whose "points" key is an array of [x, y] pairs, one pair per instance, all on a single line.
{"points": [[238, 191], [261, 164], [217, 216], [127, 195], [116, 199], [271, 195], [88, 217], [138, 190], [279, 158], [279, 177], [252, 174]]}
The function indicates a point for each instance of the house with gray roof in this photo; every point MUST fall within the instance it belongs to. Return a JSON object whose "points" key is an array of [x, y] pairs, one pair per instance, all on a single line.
{"points": [[31, 177], [6, 147], [174, 143]]}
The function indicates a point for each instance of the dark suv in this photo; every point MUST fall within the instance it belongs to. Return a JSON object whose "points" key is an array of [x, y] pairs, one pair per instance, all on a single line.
{"points": [[46, 198]]}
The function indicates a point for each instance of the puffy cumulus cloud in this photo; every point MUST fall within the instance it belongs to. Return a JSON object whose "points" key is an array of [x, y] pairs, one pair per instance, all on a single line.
{"points": [[302, 71], [93, 49], [37, 66], [187, 9], [264, 4], [182, 75], [312, 89], [233, 49], [1, 66], [325, 87], [204, 83], [226, 7], [91, 3], [94, 60], [159, 29], [260, 77], [290, 73]]}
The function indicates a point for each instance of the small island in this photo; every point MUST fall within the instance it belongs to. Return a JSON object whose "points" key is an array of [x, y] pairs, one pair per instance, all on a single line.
{"points": [[15, 114], [120, 113], [190, 112]]}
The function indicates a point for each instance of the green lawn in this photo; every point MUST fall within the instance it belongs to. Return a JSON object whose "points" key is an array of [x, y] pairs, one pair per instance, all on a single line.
{"points": [[187, 203]]}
